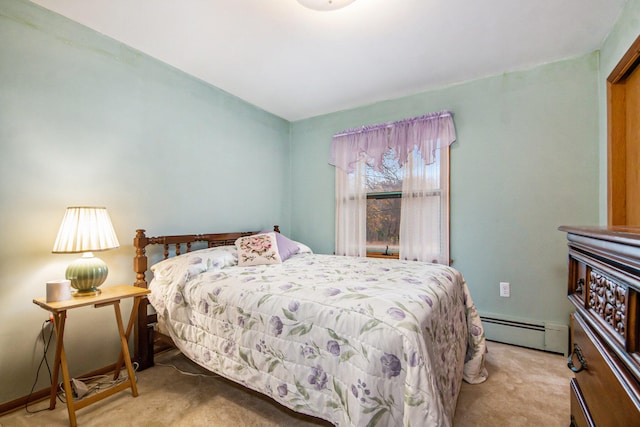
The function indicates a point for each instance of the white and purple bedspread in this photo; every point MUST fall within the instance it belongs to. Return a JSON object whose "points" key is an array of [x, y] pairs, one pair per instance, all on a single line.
{"points": [[355, 341]]}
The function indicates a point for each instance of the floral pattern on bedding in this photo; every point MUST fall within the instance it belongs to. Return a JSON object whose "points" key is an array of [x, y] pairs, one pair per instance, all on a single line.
{"points": [[355, 341]]}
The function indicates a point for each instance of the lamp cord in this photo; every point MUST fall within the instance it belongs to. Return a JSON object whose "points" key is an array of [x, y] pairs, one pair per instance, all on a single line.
{"points": [[44, 360], [97, 386], [98, 383]]}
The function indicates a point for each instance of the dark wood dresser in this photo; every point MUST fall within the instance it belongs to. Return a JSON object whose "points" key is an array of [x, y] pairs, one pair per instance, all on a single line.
{"points": [[604, 287]]}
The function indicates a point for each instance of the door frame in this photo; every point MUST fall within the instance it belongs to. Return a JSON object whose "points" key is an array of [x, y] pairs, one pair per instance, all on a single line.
{"points": [[617, 135]]}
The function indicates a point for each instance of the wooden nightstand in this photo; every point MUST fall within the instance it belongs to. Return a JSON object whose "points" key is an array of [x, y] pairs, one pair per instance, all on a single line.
{"points": [[111, 295]]}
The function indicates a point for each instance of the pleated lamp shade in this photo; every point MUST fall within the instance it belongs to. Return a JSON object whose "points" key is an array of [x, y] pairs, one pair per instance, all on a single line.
{"points": [[86, 230]]}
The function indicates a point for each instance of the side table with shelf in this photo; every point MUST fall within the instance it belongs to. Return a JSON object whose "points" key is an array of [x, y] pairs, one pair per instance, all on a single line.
{"points": [[110, 295]]}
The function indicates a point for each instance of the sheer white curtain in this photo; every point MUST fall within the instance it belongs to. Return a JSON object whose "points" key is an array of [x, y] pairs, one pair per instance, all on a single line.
{"points": [[352, 151], [424, 215], [424, 143], [351, 211]]}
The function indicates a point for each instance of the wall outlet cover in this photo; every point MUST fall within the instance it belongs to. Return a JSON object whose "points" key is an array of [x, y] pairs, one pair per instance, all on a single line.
{"points": [[505, 289]]}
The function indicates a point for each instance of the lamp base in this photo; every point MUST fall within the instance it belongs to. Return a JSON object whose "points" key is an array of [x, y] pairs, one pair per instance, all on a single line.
{"points": [[87, 274], [91, 292]]}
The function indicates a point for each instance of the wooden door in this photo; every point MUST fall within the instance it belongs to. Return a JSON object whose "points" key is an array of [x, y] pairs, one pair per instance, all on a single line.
{"points": [[623, 128]]}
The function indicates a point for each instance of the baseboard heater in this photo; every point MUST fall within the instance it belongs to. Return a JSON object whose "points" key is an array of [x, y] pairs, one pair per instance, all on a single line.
{"points": [[546, 336]]}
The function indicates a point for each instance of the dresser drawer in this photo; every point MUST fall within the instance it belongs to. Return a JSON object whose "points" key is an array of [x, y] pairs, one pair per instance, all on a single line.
{"points": [[603, 385], [580, 416]]}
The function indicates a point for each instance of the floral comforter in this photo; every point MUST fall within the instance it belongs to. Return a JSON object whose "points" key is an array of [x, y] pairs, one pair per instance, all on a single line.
{"points": [[355, 341]]}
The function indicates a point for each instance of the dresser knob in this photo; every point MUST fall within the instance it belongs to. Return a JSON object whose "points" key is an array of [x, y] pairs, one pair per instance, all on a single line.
{"points": [[583, 362]]}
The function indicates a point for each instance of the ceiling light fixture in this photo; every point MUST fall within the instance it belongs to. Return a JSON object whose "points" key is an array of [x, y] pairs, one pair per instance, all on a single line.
{"points": [[325, 4]]}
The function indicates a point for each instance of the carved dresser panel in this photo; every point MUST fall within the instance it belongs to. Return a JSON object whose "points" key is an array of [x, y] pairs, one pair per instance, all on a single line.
{"points": [[604, 287]]}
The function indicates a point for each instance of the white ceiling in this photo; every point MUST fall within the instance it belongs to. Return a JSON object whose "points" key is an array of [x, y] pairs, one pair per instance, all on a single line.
{"points": [[298, 63]]}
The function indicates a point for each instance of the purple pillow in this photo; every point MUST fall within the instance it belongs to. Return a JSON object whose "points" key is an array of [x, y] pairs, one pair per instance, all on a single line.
{"points": [[286, 246]]}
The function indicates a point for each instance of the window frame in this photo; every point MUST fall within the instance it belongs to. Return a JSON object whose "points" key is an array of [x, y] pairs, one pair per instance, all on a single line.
{"points": [[352, 149]]}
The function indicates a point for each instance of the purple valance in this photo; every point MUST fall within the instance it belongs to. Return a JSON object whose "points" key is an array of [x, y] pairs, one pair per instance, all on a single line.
{"points": [[426, 133]]}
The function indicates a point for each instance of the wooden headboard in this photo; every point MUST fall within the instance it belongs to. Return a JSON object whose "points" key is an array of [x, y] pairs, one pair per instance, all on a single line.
{"points": [[172, 245]]}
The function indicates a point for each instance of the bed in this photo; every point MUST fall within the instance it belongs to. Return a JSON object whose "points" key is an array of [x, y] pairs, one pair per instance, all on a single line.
{"points": [[354, 341]]}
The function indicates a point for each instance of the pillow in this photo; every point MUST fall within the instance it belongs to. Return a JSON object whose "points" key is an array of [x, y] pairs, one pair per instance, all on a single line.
{"points": [[187, 265], [286, 247], [303, 249], [258, 249]]}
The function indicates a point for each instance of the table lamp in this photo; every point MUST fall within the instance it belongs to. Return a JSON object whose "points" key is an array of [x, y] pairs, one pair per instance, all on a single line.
{"points": [[86, 230]]}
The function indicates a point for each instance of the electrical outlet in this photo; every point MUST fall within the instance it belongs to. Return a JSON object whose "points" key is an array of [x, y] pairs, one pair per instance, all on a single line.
{"points": [[505, 289]]}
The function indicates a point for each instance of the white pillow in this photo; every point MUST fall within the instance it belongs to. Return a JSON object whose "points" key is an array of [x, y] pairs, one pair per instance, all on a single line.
{"points": [[258, 249], [187, 265], [304, 249]]}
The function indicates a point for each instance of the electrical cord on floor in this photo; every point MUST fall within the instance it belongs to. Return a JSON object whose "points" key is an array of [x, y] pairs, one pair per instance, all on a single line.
{"points": [[94, 388], [98, 383], [190, 374], [44, 360]]}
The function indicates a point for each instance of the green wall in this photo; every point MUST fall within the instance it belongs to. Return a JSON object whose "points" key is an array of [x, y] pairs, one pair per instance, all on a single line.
{"points": [[86, 120], [525, 162]]}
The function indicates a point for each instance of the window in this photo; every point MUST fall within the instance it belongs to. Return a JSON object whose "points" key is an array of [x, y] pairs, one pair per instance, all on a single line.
{"points": [[392, 183], [385, 204], [384, 194]]}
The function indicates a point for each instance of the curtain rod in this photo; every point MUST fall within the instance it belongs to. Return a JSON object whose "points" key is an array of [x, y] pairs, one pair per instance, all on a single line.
{"points": [[368, 128]]}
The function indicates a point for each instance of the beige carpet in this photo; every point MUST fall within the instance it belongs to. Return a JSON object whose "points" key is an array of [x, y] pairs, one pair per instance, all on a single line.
{"points": [[525, 388]]}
